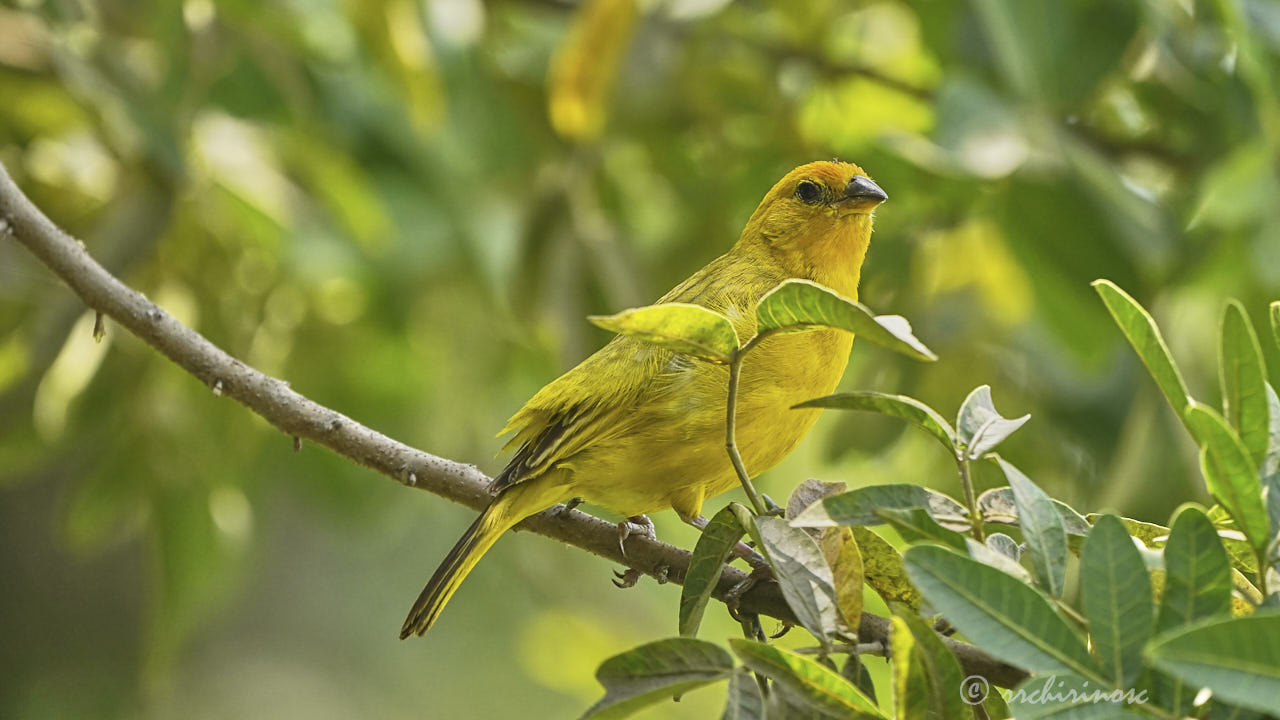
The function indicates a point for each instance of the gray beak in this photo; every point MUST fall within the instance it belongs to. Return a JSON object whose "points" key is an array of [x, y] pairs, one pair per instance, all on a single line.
{"points": [[863, 189]]}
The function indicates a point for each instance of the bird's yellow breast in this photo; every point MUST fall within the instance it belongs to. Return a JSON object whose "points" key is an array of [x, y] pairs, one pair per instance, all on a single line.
{"points": [[677, 457]]}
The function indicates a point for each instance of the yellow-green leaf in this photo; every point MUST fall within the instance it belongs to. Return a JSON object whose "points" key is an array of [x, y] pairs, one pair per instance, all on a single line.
{"points": [[1138, 326], [899, 406], [819, 687], [803, 304], [845, 560], [882, 566], [1229, 472], [944, 680], [655, 672], [680, 327], [910, 684], [1243, 375], [706, 564]]}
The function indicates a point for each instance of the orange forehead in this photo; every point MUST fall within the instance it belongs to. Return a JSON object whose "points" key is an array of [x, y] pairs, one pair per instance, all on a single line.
{"points": [[832, 173]]}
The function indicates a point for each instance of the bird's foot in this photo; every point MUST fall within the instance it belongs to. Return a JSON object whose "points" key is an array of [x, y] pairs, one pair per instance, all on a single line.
{"points": [[562, 511], [627, 578], [635, 525]]}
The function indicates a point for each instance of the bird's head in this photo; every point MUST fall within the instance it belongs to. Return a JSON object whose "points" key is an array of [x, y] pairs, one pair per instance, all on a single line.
{"points": [[816, 222]]}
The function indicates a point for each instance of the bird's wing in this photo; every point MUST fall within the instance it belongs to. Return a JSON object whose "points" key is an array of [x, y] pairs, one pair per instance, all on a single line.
{"points": [[593, 401], [597, 399]]}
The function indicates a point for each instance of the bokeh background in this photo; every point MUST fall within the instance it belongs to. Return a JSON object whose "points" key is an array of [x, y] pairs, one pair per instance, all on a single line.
{"points": [[406, 209]]}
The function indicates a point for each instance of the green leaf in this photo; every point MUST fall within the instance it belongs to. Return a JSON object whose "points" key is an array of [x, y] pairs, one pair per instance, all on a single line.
{"points": [[1197, 572], [744, 701], [855, 671], [1197, 586], [803, 304], [910, 684], [998, 613], [1237, 658], [706, 564], [1138, 326], [680, 327], [657, 671], [845, 560], [1042, 530], [980, 427], [916, 525], [883, 569], [1229, 472], [859, 506], [997, 505], [1243, 374], [992, 702], [943, 677], [820, 687], [899, 406], [803, 576], [1116, 594]]}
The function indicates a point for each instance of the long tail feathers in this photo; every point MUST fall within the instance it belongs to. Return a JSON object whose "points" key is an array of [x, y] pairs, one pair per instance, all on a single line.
{"points": [[470, 548]]}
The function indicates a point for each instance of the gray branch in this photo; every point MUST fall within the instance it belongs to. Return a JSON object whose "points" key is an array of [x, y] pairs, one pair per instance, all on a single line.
{"points": [[304, 419]]}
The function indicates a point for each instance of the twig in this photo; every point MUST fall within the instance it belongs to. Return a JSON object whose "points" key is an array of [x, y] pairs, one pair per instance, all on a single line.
{"points": [[303, 419], [730, 436], [966, 481]]}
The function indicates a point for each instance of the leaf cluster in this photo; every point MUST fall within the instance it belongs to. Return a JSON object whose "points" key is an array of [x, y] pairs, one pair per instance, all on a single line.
{"points": [[1164, 621]]}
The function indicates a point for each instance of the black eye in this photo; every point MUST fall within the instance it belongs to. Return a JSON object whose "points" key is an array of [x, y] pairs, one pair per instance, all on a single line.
{"points": [[809, 191]]}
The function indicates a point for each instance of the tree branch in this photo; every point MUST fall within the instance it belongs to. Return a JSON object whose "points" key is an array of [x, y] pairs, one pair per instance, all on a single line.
{"points": [[302, 418]]}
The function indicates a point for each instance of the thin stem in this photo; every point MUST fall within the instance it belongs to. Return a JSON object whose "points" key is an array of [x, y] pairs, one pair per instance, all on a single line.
{"points": [[730, 428], [1071, 613], [966, 481], [752, 630]]}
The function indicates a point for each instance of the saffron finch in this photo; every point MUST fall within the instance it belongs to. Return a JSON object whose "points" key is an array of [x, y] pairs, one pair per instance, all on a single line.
{"points": [[636, 428]]}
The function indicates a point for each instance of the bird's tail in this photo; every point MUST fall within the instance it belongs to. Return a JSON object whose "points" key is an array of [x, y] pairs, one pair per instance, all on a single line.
{"points": [[512, 506]]}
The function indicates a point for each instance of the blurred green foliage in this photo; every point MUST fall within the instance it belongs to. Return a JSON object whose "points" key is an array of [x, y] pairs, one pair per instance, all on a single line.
{"points": [[407, 208]]}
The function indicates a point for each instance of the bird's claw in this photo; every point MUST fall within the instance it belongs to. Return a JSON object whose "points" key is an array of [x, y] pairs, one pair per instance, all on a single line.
{"points": [[627, 578], [635, 525], [562, 511]]}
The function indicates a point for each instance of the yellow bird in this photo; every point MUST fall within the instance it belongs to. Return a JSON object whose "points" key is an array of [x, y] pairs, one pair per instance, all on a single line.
{"points": [[636, 428]]}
